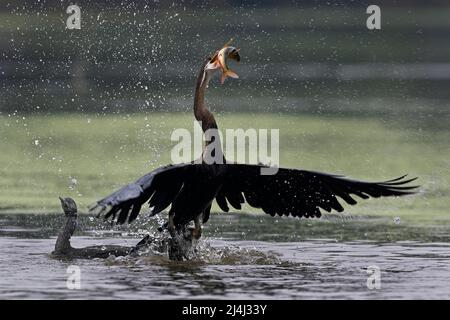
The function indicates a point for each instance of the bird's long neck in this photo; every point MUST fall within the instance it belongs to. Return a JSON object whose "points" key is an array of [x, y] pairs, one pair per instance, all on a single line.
{"points": [[62, 245], [205, 117]]}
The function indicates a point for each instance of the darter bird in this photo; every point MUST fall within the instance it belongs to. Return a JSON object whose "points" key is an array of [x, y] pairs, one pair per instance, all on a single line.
{"points": [[190, 188]]}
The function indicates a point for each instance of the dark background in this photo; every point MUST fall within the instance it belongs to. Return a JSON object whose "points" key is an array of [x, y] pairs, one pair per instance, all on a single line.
{"points": [[297, 56]]}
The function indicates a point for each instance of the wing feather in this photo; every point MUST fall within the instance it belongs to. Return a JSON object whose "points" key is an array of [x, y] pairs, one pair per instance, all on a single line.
{"points": [[159, 187], [301, 193]]}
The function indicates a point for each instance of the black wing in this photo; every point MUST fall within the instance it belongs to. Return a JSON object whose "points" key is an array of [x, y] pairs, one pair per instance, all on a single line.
{"points": [[299, 193], [159, 186]]}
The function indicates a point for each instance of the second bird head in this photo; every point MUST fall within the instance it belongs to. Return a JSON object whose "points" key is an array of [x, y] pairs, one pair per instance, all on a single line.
{"points": [[69, 206]]}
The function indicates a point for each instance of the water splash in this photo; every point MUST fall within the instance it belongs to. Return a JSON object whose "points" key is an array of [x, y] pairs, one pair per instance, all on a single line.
{"points": [[201, 253]]}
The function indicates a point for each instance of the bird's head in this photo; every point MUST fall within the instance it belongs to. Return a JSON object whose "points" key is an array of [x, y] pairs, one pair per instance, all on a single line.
{"points": [[69, 206]]}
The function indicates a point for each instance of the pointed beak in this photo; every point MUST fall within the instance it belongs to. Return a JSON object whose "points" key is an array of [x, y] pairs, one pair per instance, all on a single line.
{"points": [[61, 199]]}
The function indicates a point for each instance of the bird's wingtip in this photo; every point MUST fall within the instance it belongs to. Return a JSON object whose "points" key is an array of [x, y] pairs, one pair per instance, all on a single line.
{"points": [[399, 181]]}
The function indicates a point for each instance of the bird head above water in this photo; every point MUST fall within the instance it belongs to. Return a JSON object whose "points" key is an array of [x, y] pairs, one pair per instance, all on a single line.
{"points": [[69, 206]]}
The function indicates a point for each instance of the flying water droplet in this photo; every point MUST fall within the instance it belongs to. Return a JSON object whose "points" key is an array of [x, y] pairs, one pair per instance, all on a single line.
{"points": [[72, 183]]}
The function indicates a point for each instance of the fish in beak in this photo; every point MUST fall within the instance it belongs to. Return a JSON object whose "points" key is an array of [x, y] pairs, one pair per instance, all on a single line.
{"points": [[219, 61]]}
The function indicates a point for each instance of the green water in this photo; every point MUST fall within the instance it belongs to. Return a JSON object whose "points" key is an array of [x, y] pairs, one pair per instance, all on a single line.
{"points": [[88, 156]]}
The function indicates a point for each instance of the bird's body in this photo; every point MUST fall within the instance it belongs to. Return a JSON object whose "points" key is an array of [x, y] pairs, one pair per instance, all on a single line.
{"points": [[191, 188], [94, 252], [64, 249], [197, 193]]}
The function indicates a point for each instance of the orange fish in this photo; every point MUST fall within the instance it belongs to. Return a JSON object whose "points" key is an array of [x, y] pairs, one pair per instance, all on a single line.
{"points": [[219, 60]]}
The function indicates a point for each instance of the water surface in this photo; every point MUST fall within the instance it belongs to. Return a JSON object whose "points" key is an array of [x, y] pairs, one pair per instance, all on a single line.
{"points": [[242, 257]]}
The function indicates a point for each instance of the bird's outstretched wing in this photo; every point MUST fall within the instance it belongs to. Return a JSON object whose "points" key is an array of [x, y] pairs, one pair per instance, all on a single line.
{"points": [[299, 193], [159, 186]]}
